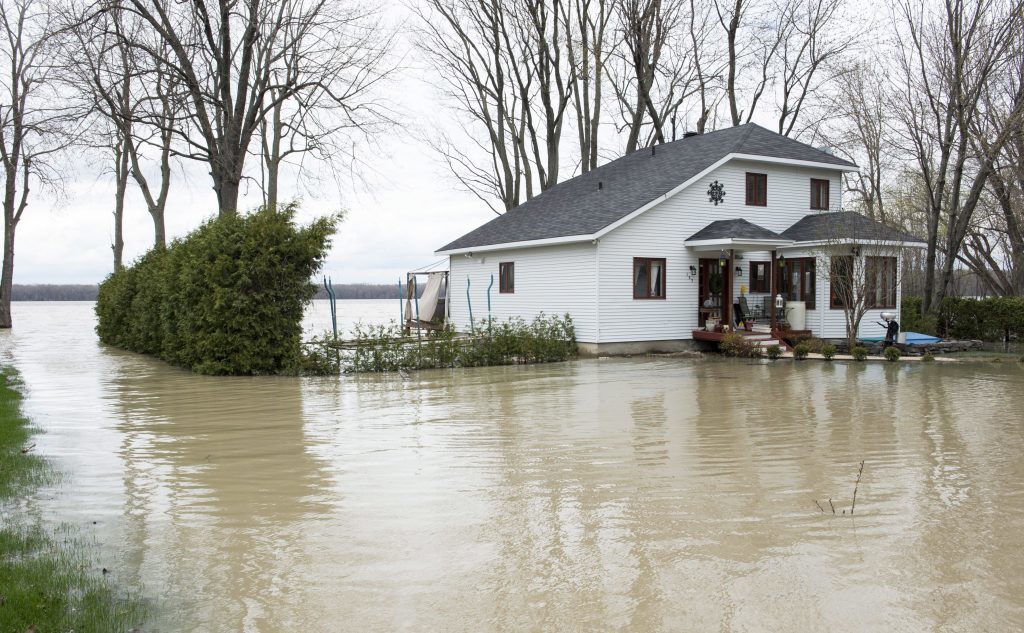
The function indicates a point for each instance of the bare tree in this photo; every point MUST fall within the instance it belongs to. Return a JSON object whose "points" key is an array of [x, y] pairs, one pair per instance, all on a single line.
{"points": [[224, 57], [656, 71], [37, 123], [586, 24], [136, 106], [785, 48], [814, 38], [946, 59], [861, 133], [502, 67], [337, 66]]}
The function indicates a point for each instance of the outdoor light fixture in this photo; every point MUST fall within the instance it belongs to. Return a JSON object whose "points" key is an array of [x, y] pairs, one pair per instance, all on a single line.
{"points": [[693, 272], [778, 302], [721, 259], [739, 271], [782, 261]]}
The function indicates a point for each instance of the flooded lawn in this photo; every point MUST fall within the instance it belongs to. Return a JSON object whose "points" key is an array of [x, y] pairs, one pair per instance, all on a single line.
{"points": [[624, 494]]}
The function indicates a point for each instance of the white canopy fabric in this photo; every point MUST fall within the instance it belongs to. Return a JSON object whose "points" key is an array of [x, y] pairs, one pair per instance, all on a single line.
{"points": [[428, 301]]}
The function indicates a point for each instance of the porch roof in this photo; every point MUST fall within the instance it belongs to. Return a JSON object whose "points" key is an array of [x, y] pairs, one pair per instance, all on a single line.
{"points": [[737, 234]]}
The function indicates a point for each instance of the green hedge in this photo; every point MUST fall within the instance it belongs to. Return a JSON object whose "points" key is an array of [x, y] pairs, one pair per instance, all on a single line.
{"points": [[226, 299], [990, 319]]}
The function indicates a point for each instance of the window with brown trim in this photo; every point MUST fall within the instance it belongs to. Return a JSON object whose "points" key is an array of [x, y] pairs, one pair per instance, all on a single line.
{"points": [[841, 282], [507, 277], [819, 194], [757, 190], [798, 281], [760, 279], [880, 281], [648, 278]]}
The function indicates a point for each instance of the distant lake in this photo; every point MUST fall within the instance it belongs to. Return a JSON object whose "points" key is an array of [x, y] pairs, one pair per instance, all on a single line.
{"points": [[632, 494]]}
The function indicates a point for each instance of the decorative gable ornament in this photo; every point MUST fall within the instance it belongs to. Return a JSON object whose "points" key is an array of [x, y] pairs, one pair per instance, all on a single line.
{"points": [[716, 193]]}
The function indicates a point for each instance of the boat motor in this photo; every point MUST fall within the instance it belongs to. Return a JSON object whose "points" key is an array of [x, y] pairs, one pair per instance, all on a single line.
{"points": [[892, 328]]}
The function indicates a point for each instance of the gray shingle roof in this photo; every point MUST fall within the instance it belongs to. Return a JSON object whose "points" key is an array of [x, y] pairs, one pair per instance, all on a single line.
{"points": [[737, 229], [845, 225], [579, 206]]}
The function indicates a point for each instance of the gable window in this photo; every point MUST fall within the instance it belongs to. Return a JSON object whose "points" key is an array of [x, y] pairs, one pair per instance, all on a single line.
{"points": [[759, 279], [507, 277], [841, 282], [648, 278], [798, 281], [819, 194], [757, 190], [880, 281]]}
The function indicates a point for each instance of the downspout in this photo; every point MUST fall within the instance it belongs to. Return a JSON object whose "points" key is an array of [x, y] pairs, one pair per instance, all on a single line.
{"points": [[597, 293]]}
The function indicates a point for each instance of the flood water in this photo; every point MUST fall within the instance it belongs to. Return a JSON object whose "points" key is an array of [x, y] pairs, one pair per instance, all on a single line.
{"points": [[623, 494]]}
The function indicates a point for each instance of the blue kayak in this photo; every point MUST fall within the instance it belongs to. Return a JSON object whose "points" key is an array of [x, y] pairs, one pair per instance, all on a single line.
{"points": [[913, 338]]}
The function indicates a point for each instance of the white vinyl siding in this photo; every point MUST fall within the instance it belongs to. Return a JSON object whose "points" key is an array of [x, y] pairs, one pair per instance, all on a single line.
{"points": [[661, 231], [554, 280]]}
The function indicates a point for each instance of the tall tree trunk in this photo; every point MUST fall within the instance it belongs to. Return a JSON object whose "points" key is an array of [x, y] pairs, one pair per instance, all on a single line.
{"points": [[7, 275], [121, 188]]}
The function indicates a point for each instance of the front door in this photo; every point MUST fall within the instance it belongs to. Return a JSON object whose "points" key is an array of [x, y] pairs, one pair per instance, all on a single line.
{"points": [[712, 285]]}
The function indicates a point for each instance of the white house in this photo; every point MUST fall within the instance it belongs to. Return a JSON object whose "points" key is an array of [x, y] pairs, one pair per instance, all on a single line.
{"points": [[645, 250]]}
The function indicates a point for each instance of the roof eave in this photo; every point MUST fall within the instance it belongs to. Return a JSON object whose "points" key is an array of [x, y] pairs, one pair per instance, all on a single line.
{"points": [[800, 163], [548, 241], [735, 243], [849, 241]]}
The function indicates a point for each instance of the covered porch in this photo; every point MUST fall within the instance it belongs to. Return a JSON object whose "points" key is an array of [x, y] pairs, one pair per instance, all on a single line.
{"points": [[720, 248]]}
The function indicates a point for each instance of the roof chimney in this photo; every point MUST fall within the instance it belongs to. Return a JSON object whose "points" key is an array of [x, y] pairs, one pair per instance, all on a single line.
{"points": [[689, 134]]}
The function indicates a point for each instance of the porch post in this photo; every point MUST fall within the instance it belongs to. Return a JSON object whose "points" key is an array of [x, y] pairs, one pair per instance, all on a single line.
{"points": [[773, 286], [727, 299]]}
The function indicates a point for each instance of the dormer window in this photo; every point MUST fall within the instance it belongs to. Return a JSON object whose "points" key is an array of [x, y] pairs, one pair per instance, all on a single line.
{"points": [[819, 194], [757, 190]]}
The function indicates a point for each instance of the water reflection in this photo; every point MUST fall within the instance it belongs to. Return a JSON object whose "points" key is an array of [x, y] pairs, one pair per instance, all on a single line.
{"points": [[623, 494], [220, 491]]}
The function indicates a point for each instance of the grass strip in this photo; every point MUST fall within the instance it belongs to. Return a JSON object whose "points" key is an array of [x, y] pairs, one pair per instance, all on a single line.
{"points": [[48, 582]]}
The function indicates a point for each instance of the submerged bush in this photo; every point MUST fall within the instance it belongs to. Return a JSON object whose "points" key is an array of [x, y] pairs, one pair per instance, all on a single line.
{"points": [[892, 354], [774, 352], [828, 351], [801, 351], [928, 358], [381, 348], [859, 353], [227, 298], [735, 344]]}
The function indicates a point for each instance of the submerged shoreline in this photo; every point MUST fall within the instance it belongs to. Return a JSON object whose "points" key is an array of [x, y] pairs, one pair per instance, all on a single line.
{"points": [[48, 580]]}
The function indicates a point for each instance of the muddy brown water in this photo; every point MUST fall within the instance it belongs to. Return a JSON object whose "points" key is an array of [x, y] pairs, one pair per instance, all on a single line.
{"points": [[623, 494]]}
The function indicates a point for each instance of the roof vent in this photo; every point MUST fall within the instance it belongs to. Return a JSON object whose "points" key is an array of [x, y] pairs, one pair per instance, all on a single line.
{"points": [[600, 185], [827, 149], [689, 134]]}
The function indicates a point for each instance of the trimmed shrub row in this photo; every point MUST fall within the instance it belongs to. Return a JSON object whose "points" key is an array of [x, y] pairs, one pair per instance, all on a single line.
{"points": [[227, 298], [990, 319]]}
